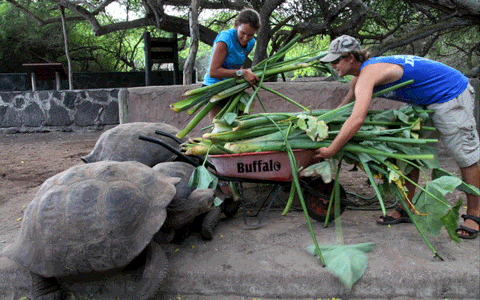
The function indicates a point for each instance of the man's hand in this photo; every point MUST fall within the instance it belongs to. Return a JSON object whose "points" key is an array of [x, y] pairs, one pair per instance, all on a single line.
{"points": [[323, 153]]}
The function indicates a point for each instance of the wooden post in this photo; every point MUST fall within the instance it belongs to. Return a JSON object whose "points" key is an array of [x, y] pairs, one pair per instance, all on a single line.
{"points": [[148, 57], [175, 60], [33, 77]]}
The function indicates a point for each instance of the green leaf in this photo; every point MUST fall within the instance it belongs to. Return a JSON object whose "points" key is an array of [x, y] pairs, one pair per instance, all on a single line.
{"points": [[401, 116], [346, 262], [433, 203], [316, 130], [464, 187], [450, 220], [217, 201], [203, 179], [386, 116], [230, 117], [323, 169]]}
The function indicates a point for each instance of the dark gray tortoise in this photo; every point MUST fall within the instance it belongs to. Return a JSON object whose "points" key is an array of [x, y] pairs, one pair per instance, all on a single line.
{"points": [[190, 207], [93, 222], [121, 143]]}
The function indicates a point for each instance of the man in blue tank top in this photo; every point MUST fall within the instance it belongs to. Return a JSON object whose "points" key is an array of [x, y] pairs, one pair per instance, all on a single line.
{"points": [[438, 87]]}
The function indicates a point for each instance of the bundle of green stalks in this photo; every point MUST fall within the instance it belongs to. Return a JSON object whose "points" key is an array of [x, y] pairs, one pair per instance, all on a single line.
{"points": [[387, 147], [202, 100]]}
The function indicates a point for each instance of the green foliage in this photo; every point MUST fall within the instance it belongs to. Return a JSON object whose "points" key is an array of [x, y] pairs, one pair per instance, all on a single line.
{"points": [[346, 262], [433, 204], [203, 179], [23, 41]]}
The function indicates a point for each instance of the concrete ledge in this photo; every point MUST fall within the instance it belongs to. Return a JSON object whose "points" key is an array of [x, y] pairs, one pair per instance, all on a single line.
{"points": [[152, 104]]}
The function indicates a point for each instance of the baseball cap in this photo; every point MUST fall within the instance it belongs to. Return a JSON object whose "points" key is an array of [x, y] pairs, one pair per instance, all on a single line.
{"points": [[342, 44]]}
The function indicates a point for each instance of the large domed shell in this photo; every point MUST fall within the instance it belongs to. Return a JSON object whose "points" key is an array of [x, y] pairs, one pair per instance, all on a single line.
{"points": [[92, 217], [121, 143]]}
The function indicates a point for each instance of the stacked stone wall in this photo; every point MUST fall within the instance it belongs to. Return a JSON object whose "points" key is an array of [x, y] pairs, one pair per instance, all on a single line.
{"points": [[58, 110]]}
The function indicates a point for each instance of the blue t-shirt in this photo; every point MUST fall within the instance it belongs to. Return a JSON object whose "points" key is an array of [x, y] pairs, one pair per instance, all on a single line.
{"points": [[434, 82], [236, 54]]}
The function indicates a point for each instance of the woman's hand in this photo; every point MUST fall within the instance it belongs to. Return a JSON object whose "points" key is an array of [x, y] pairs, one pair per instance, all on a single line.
{"points": [[250, 77]]}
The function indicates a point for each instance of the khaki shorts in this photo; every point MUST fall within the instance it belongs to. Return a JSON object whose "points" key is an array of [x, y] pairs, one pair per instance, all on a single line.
{"points": [[455, 121]]}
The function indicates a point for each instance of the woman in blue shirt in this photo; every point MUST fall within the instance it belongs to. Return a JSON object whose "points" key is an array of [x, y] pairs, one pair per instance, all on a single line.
{"points": [[230, 49]]}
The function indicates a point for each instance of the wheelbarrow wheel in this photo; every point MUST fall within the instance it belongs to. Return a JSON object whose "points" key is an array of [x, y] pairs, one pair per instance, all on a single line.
{"points": [[317, 198]]}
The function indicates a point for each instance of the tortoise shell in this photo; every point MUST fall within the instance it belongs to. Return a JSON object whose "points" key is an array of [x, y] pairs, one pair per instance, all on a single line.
{"points": [[92, 217], [121, 143]]}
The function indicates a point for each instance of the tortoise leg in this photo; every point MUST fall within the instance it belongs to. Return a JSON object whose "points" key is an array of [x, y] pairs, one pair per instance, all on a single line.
{"points": [[210, 222], [45, 288], [230, 207], [154, 272]]}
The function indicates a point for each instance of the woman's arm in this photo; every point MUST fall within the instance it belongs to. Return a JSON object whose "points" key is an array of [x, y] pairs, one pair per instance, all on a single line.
{"points": [[220, 52]]}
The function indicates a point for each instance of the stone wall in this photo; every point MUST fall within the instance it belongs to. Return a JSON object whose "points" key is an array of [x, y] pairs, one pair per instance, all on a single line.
{"points": [[58, 110]]}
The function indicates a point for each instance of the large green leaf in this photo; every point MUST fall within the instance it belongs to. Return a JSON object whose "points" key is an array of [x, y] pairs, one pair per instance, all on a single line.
{"points": [[346, 262], [433, 203], [203, 179], [464, 187], [323, 169], [316, 130], [450, 220]]}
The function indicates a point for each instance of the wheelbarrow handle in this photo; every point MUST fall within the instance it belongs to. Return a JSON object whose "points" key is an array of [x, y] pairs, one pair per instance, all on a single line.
{"points": [[179, 141], [175, 151]]}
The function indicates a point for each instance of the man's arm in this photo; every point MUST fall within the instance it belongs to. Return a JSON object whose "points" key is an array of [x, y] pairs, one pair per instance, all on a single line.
{"points": [[350, 97], [370, 76]]}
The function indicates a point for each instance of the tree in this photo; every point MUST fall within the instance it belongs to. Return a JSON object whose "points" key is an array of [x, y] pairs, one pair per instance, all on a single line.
{"points": [[194, 38], [416, 26]]}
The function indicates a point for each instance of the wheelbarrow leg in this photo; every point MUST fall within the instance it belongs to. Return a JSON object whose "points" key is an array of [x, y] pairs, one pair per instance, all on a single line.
{"points": [[274, 191]]}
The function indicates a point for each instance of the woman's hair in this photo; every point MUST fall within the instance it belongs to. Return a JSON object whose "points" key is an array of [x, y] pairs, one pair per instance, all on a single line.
{"points": [[250, 17], [360, 55]]}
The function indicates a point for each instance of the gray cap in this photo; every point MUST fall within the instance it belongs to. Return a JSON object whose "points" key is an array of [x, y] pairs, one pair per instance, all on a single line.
{"points": [[340, 45]]}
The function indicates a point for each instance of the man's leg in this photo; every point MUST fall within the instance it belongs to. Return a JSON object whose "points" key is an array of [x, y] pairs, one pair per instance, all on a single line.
{"points": [[471, 175]]}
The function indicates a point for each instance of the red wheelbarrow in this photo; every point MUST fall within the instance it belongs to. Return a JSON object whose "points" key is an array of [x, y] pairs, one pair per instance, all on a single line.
{"points": [[270, 167]]}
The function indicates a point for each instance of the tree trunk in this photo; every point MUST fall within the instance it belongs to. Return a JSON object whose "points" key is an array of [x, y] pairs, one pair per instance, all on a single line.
{"points": [[67, 53], [188, 68]]}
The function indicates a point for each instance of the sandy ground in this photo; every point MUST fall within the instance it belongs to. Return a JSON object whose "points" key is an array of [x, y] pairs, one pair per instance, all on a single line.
{"points": [[28, 159]]}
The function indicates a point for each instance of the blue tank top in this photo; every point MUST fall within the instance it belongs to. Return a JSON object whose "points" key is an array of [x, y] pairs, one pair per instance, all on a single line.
{"points": [[236, 54], [434, 82]]}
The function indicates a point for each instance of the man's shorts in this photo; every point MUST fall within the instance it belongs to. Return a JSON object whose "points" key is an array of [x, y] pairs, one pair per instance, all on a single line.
{"points": [[455, 121]]}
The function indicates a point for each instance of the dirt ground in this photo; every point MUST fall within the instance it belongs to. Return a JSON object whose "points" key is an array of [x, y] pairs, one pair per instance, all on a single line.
{"points": [[28, 159]]}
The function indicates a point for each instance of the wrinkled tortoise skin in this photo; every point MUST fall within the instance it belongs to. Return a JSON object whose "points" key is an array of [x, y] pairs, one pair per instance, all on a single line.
{"points": [[188, 202]]}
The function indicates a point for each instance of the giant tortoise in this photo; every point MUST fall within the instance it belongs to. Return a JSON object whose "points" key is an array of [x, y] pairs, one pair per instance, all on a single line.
{"points": [[122, 143], [190, 207], [96, 221]]}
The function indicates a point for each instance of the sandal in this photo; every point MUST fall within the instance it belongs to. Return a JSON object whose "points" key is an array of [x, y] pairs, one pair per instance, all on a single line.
{"points": [[389, 220], [471, 233]]}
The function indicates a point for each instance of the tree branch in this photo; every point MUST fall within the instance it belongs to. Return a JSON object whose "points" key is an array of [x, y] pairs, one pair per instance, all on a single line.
{"points": [[416, 35]]}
